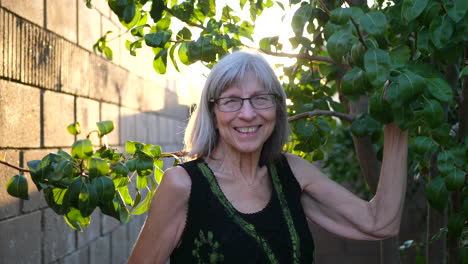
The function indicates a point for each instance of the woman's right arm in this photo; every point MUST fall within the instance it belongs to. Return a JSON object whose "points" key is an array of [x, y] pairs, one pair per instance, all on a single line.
{"points": [[166, 219]]}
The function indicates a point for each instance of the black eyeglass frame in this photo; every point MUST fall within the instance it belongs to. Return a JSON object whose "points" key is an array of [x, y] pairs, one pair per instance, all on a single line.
{"points": [[216, 101]]}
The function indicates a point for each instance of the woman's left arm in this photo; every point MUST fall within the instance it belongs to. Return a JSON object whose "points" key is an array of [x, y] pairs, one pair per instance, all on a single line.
{"points": [[339, 211]]}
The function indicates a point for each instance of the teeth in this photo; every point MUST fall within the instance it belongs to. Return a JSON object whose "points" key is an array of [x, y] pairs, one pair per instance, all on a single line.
{"points": [[247, 129]]}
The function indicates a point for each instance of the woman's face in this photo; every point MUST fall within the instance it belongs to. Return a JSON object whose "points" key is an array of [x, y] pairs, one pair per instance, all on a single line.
{"points": [[247, 129]]}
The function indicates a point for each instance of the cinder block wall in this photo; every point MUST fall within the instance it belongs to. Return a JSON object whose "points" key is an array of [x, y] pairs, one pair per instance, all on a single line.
{"points": [[49, 78]]}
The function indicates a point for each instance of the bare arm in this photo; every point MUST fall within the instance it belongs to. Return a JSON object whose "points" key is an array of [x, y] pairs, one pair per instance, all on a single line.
{"points": [[166, 219], [339, 211]]}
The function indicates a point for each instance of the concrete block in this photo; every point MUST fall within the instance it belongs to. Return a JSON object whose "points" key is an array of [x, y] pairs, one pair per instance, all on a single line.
{"points": [[109, 223], [76, 69], [153, 128], [59, 238], [3, 42], [128, 129], [92, 232], [58, 114], [127, 61], [89, 25], [21, 239], [87, 113], [78, 257], [111, 112], [120, 249], [11, 49], [152, 95], [134, 229], [30, 10], [130, 94], [9, 205], [61, 18], [19, 115], [119, 83], [36, 198], [99, 250], [102, 88], [164, 130], [142, 127]]}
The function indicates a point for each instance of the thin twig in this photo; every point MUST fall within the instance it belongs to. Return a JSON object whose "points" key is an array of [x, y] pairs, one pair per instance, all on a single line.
{"points": [[324, 7], [290, 55], [13, 166], [349, 118], [361, 38]]}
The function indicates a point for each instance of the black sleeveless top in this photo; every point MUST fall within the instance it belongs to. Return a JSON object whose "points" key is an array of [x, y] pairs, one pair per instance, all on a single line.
{"points": [[215, 232]]}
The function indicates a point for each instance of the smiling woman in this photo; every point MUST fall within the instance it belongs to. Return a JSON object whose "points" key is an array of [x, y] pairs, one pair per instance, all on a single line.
{"points": [[242, 199]]}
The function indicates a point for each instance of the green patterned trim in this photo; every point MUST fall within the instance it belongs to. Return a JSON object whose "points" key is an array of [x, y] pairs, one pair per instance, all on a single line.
{"points": [[287, 214], [248, 228]]}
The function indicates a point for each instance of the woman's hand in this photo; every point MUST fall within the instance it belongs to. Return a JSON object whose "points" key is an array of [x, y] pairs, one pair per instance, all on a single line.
{"points": [[341, 212]]}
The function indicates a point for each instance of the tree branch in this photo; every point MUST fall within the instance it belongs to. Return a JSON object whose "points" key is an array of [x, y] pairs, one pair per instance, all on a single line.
{"points": [[346, 117], [325, 8], [13, 166], [361, 38], [188, 22], [290, 55]]}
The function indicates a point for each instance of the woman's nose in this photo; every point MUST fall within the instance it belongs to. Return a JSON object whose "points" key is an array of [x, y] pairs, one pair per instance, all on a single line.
{"points": [[247, 111]]}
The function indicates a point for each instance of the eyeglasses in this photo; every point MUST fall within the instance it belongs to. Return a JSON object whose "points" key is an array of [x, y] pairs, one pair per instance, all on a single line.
{"points": [[232, 104]]}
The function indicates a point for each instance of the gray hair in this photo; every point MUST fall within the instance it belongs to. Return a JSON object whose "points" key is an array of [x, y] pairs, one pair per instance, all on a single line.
{"points": [[201, 135]]}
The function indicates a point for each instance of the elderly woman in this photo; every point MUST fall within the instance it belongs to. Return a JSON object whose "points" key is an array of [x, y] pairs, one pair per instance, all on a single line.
{"points": [[242, 199]]}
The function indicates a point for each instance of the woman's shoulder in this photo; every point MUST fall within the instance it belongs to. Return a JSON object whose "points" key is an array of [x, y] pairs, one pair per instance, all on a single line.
{"points": [[177, 178]]}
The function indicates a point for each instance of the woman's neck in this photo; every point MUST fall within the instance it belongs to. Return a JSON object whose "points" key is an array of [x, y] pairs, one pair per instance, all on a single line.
{"points": [[227, 162]]}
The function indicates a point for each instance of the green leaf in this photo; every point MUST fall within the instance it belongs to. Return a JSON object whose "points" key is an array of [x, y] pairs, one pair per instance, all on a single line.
{"points": [[456, 9], [424, 42], [357, 54], [464, 72], [74, 128], [17, 186], [445, 162], [377, 65], [411, 9], [120, 169], [207, 7], [163, 24], [171, 54], [105, 127], [158, 174], [355, 82], [60, 170], [83, 195], [158, 39], [98, 167], [433, 113], [82, 149], [143, 206], [455, 225], [424, 145], [105, 188], [380, 109], [455, 179], [183, 54], [339, 43], [364, 126], [441, 30], [160, 62], [341, 16], [304, 127], [157, 9], [184, 34], [121, 182], [410, 85], [76, 220], [57, 199], [374, 23], [400, 56], [439, 89], [125, 195], [142, 182], [437, 194], [132, 146], [300, 18]]}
